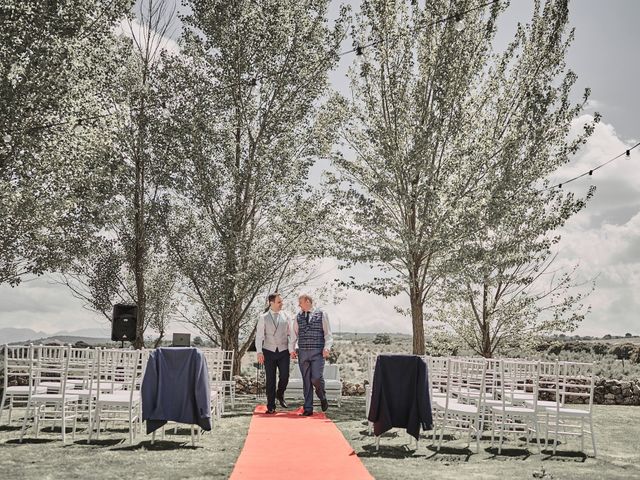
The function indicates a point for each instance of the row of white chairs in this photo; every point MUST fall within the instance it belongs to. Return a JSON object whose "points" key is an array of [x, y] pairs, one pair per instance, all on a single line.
{"points": [[62, 384], [509, 397]]}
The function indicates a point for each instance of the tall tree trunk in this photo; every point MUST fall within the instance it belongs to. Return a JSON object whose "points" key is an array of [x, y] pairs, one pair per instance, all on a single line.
{"points": [[485, 327], [417, 320], [159, 339], [139, 227]]}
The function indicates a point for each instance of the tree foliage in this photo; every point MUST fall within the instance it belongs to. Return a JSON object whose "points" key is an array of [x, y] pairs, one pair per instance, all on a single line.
{"points": [[508, 290], [244, 126], [448, 143], [55, 60]]}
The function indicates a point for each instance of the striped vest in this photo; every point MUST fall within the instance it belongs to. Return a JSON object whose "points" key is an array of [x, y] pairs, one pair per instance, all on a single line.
{"points": [[310, 337]]}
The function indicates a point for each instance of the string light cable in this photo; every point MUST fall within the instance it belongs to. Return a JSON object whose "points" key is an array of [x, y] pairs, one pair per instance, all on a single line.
{"points": [[626, 153]]}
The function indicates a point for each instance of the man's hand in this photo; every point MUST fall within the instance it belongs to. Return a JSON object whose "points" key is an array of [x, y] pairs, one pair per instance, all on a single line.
{"points": [[261, 358], [325, 353], [293, 355]]}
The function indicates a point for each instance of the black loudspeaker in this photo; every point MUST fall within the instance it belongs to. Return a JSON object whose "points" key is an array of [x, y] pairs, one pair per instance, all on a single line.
{"points": [[123, 323]]}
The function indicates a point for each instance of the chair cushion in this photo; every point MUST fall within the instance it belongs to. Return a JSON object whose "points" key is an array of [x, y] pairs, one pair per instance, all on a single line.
{"points": [[118, 398], [50, 384], [574, 412], [84, 393], [24, 390], [54, 397], [541, 404], [514, 410], [456, 407]]}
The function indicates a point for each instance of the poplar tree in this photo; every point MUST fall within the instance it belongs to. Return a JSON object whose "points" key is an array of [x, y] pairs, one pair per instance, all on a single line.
{"points": [[245, 125], [441, 127]]}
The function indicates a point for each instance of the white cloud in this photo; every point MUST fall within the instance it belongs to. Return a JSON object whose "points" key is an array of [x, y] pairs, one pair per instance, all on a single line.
{"points": [[41, 305], [605, 237], [365, 312]]}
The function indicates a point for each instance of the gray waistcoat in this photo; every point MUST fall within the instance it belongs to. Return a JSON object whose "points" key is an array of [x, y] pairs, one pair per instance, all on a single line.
{"points": [[276, 333]]}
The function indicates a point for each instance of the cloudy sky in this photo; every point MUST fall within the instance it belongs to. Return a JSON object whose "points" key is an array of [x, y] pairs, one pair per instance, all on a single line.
{"points": [[604, 239]]}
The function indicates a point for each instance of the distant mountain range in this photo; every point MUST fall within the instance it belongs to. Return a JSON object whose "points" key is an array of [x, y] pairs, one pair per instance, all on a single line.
{"points": [[13, 335]]}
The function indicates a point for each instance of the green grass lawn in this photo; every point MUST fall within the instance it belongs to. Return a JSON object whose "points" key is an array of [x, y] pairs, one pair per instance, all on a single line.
{"points": [[617, 428], [113, 458], [617, 439]]}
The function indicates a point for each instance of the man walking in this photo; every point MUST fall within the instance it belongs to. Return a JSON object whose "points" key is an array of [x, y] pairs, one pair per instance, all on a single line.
{"points": [[312, 331], [273, 343]]}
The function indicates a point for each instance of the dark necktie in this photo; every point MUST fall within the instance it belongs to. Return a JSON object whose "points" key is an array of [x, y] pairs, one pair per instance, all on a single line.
{"points": [[306, 317]]}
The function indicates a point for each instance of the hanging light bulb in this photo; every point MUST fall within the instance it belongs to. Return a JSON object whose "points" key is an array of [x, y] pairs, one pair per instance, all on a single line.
{"points": [[254, 90], [360, 61], [164, 111], [459, 25]]}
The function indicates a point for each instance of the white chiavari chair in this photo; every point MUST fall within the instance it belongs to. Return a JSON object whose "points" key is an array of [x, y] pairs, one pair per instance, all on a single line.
{"points": [[50, 356], [575, 385], [492, 387], [436, 377], [215, 364], [450, 413], [124, 368], [18, 381], [547, 385], [228, 382], [437, 371], [371, 365], [471, 387], [82, 379], [50, 368], [518, 380]]}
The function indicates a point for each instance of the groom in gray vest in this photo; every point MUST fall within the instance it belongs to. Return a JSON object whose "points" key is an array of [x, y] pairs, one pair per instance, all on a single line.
{"points": [[273, 343], [313, 333]]}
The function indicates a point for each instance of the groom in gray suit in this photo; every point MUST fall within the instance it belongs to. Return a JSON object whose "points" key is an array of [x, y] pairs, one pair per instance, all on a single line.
{"points": [[273, 343], [312, 332]]}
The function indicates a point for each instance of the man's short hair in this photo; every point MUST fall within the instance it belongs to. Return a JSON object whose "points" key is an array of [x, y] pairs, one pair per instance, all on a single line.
{"points": [[305, 296], [272, 297]]}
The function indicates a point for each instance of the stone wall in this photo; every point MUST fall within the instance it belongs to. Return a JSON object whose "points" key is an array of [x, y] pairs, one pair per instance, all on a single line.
{"points": [[607, 392], [614, 392], [249, 386]]}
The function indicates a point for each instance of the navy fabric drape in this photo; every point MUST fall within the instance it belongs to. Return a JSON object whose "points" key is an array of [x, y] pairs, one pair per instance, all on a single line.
{"points": [[175, 388], [400, 395]]}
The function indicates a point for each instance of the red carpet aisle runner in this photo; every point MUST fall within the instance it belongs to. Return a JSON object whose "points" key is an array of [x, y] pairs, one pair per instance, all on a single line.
{"points": [[285, 446]]}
